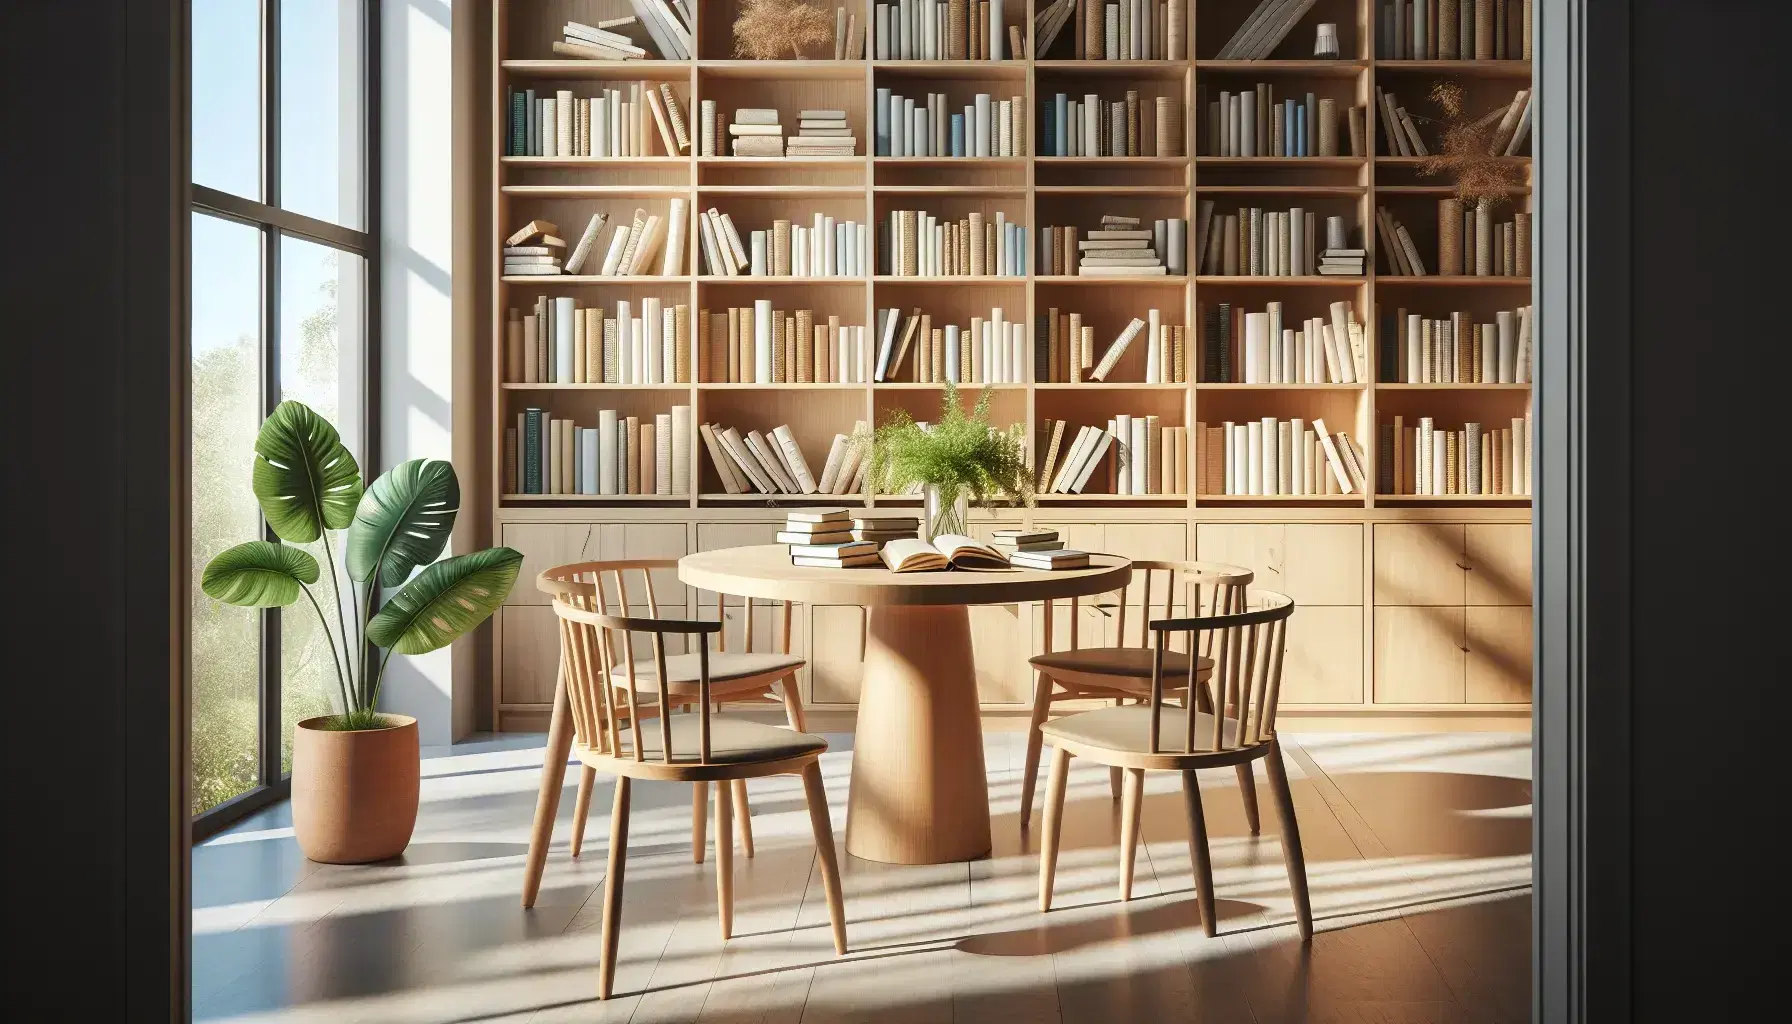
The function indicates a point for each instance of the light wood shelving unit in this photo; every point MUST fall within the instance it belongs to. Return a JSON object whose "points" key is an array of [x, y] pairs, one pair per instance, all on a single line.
{"points": [[1335, 554]]}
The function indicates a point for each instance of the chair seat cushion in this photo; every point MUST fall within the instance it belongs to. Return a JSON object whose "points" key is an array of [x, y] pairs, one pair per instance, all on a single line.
{"points": [[1129, 662], [1126, 728], [724, 667], [731, 741]]}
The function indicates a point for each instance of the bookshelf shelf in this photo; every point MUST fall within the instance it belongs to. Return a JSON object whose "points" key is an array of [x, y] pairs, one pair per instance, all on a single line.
{"points": [[1031, 190]]}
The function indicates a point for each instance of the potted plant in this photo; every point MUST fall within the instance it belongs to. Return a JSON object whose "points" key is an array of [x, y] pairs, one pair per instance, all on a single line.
{"points": [[355, 774], [960, 459]]}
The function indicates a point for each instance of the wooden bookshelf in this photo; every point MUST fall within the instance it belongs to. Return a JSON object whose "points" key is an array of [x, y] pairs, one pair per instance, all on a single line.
{"points": [[1347, 544]]}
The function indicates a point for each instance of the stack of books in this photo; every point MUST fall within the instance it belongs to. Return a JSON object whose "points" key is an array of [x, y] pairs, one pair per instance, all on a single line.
{"points": [[599, 42], [1037, 549], [756, 132], [535, 249], [822, 538], [1121, 248], [880, 530], [1345, 262], [823, 133]]}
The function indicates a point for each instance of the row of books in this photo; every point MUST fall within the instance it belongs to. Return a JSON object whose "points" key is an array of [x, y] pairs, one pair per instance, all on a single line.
{"points": [[990, 350], [1255, 123], [563, 342], [819, 526], [1511, 126], [1421, 350], [1093, 126], [623, 121], [1454, 30], [1469, 241], [760, 345], [1064, 248], [1423, 459], [1255, 242], [986, 127], [1122, 30], [1067, 354], [1240, 347], [849, 35], [757, 463], [621, 455], [915, 243], [1273, 457], [826, 247], [1148, 459], [649, 244], [942, 30]]}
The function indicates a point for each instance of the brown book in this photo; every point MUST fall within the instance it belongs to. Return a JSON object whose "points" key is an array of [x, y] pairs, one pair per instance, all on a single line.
{"points": [[1358, 141], [1449, 236], [1449, 44], [1521, 232], [805, 368], [983, 30], [1132, 123], [955, 29], [1016, 47], [781, 248], [1327, 132], [1483, 29], [1169, 128], [1177, 30]]}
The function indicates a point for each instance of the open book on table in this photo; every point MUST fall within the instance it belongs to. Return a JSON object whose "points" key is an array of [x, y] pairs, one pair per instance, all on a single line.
{"points": [[947, 551]]}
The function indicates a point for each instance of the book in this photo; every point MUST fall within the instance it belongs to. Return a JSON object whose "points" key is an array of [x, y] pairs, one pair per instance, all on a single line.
{"points": [[1332, 458], [947, 551], [793, 456], [885, 524], [842, 549], [817, 515], [867, 560], [1061, 559]]}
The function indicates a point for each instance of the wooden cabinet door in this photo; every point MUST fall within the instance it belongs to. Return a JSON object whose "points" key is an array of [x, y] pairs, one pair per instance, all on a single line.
{"points": [[1156, 542], [1419, 657], [1323, 663], [767, 615], [544, 546], [652, 540], [1258, 547], [837, 658], [1499, 561], [1322, 564], [1499, 654], [999, 641], [1419, 564], [529, 653]]}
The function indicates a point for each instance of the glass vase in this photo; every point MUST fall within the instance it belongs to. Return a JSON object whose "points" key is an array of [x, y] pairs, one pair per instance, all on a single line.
{"points": [[948, 510]]}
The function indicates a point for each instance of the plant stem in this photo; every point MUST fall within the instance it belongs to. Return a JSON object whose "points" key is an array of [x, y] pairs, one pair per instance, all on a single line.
{"points": [[336, 590], [324, 625], [381, 675]]}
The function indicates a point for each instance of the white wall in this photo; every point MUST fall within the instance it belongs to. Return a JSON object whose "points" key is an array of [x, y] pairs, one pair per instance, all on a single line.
{"points": [[416, 309]]}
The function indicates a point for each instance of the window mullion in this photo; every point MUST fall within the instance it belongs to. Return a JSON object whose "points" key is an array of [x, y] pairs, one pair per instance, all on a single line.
{"points": [[271, 668]]}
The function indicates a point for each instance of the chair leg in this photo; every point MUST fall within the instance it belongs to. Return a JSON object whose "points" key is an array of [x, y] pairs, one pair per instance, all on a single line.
{"points": [[606, 966], [725, 858], [1198, 852], [1291, 851], [1130, 798], [1042, 707], [699, 820], [1054, 823], [1115, 777], [793, 703], [743, 817], [817, 797], [1247, 788], [582, 806]]}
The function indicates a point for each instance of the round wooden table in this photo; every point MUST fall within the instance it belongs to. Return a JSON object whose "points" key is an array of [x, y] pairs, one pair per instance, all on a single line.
{"points": [[919, 791]]}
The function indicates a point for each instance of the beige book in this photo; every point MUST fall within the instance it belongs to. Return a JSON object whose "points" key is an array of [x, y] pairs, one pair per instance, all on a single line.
{"points": [[1332, 457], [765, 456], [662, 123], [830, 469], [947, 551], [531, 231], [681, 132], [1056, 432], [1410, 251], [647, 455], [735, 246], [1117, 349], [1407, 126], [653, 233], [635, 231], [746, 462], [793, 457]]}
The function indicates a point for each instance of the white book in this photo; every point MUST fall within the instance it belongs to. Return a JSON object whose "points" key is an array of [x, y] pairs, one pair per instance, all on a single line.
{"points": [[1253, 457], [677, 230], [1072, 462], [564, 307], [712, 254], [587, 242], [1256, 348], [762, 341], [1097, 448], [618, 245], [738, 250], [606, 451], [793, 457], [749, 464], [1121, 427], [1332, 458], [1139, 455], [830, 469], [770, 462], [731, 479], [652, 234]]}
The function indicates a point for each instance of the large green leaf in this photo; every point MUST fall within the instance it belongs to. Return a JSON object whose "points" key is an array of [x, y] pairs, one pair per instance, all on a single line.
{"points": [[305, 479], [445, 601], [259, 574], [404, 521]]}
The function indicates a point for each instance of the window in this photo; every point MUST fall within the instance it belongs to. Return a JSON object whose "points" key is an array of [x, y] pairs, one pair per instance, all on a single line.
{"points": [[282, 274]]}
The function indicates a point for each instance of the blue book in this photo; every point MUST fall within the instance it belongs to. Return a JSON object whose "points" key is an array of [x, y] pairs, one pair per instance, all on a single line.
{"points": [[1297, 117], [957, 134], [1289, 146], [1061, 119], [883, 123]]}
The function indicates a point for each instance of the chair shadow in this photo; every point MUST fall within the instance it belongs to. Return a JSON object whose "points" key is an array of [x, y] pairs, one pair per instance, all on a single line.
{"points": [[1129, 921]]}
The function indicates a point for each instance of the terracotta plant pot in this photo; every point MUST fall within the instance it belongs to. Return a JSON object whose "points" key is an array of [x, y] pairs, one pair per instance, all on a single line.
{"points": [[354, 793]]}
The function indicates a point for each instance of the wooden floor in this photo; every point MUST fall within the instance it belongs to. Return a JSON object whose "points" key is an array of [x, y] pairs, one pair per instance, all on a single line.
{"points": [[1418, 849]]}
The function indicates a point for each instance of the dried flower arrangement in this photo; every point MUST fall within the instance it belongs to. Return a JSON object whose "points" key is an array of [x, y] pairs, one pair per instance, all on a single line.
{"points": [[766, 28], [1467, 151]]}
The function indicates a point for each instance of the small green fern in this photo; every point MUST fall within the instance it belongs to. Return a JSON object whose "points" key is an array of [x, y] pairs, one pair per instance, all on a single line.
{"points": [[960, 453]]}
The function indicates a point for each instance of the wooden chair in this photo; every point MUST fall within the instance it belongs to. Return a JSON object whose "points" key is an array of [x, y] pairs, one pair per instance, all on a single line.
{"points": [[699, 746], [1123, 672], [1155, 736], [745, 675]]}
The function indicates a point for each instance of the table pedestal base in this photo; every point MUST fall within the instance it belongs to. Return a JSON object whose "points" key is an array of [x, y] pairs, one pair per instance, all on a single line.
{"points": [[919, 792]]}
